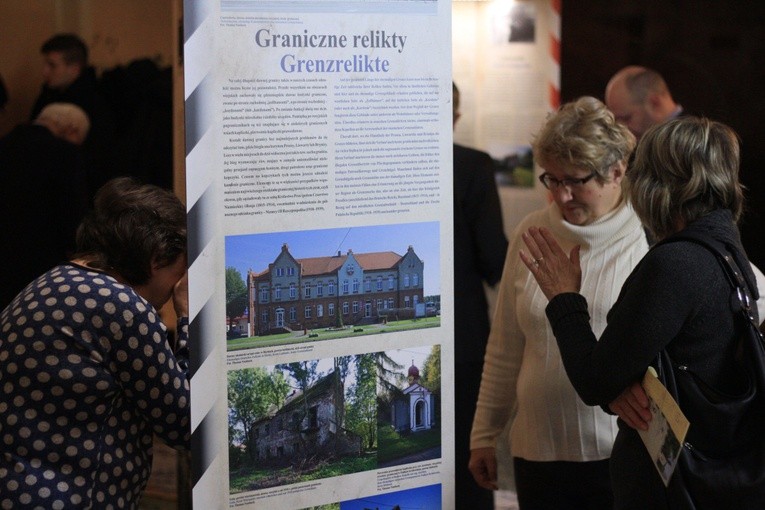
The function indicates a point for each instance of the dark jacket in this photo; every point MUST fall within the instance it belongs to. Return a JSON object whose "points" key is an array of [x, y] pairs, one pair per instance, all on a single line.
{"points": [[479, 249], [97, 150], [678, 297], [82, 92], [42, 200], [479, 256]]}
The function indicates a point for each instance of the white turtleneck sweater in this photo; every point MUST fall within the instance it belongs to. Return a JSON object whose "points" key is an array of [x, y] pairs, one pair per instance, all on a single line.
{"points": [[523, 373]]}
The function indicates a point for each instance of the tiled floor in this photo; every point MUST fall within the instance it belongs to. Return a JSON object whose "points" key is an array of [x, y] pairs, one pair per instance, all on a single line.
{"points": [[505, 500]]}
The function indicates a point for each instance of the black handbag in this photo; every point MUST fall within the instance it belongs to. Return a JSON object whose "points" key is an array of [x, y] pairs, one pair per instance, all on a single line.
{"points": [[722, 464]]}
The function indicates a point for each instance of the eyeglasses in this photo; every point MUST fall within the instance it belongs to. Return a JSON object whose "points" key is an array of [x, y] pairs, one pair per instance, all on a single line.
{"points": [[551, 183]]}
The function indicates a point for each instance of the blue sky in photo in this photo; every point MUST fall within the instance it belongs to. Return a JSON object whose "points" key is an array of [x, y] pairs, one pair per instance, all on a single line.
{"points": [[256, 251], [409, 355], [420, 498], [404, 357]]}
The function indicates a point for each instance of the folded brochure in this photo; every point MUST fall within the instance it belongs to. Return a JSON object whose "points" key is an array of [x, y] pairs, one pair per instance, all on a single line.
{"points": [[666, 430]]}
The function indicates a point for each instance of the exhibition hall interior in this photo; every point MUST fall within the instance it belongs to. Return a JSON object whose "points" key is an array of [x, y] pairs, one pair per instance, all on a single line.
{"points": [[711, 53]]}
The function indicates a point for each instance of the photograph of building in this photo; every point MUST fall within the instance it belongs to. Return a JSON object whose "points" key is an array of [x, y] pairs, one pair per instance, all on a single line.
{"points": [[408, 412], [300, 421], [340, 290], [306, 424], [414, 408]]}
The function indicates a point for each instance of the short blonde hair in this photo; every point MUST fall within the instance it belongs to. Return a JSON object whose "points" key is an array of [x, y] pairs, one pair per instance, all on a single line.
{"points": [[583, 134], [65, 118], [684, 169]]}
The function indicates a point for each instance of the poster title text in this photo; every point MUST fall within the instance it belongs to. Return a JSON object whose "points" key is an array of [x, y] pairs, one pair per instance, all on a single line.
{"points": [[359, 63]]}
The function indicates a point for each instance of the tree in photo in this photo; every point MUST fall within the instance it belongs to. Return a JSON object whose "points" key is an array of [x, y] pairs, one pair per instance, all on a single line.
{"points": [[431, 371], [389, 375], [251, 392], [342, 366], [361, 401], [304, 373], [236, 294]]}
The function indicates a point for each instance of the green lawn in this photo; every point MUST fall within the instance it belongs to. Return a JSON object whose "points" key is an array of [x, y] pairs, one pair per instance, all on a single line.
{"points": [[391, 445], [324, 334], [250, 478]]}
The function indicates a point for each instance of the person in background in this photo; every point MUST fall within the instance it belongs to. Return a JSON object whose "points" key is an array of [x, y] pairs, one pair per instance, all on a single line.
{"points": [[42, 194], [89, 375], [560, 445], [65, 121], [684, 179], [479, 255], [68, 78], [639, 98]]}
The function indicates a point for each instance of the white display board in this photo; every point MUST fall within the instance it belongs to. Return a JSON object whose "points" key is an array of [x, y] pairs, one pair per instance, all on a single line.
{"points": [[318, 163]]}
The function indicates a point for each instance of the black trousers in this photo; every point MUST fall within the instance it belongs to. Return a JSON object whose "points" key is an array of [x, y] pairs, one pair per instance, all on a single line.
{"points": [[560, 485], [469, 495]]}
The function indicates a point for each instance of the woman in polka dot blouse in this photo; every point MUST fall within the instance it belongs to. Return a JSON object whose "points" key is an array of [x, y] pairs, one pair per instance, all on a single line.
{"points": [[87, 373]]}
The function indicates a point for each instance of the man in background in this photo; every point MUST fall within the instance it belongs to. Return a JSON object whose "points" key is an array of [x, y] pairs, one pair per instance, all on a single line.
{"points": [[68, 78], [42, 194], [639, 98], [479, 256]]}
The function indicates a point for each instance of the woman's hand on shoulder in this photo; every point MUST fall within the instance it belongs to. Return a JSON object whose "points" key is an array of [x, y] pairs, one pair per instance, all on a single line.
{"points": [[555, 271]]}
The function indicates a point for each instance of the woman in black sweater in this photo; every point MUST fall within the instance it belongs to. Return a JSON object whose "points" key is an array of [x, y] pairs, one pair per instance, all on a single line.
{"points": [[684, 178]]}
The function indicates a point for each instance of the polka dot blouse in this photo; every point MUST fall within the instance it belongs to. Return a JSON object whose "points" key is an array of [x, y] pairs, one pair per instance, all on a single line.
{"points": [[87, 377]]}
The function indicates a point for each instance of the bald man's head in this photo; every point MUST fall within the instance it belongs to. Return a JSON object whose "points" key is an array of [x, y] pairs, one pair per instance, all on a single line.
{"points": [[639, 98]]}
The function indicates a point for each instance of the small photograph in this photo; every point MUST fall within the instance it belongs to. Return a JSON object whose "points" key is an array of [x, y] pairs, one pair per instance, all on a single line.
{"points": [[513, 22], [307, 286], [515, 167], [409, 410], [667, 455], [421, 498], [667, 458], [302, 421]]}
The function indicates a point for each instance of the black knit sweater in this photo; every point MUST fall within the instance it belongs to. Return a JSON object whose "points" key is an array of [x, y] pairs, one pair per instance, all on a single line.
{"points": [[678, 298]]}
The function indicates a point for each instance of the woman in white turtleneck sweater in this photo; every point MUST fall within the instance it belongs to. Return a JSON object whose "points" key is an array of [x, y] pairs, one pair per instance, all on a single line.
{"points": [[560, 446]]}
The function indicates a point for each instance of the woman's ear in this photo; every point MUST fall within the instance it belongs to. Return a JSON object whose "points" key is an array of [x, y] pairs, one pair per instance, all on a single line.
{"points": [[155, 265], [618, 169]]}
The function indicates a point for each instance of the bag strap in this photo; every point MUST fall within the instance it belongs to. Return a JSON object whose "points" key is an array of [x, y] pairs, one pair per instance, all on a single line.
{"points": [[731, 269]]}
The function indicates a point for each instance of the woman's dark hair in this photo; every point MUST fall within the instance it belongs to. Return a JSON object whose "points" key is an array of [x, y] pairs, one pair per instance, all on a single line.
{"points": [[684, 169], [73, 49], [132, 227]]}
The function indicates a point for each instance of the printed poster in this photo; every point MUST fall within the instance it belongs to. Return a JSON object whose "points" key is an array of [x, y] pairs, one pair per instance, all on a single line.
{"points": [[318, 140]]}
